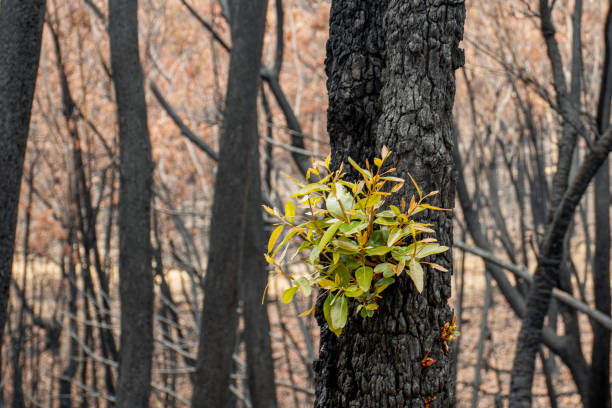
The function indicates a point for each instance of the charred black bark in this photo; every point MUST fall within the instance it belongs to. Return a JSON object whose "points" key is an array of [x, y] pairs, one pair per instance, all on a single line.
{"points": [[390, 67], [238, 152], [136, 179], [260, 365], [21, 24], [599, 382]]}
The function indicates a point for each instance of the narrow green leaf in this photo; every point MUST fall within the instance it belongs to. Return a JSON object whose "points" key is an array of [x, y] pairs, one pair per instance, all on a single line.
{"points": [[386, 221], [311, 188], [331, 231], [416, 186], [285, 240], [289, 294], [273, 237], [366, 174], [290, 210]]}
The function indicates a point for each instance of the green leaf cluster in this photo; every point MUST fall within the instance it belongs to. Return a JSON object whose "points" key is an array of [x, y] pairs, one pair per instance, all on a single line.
{"points": [[357, 245]]}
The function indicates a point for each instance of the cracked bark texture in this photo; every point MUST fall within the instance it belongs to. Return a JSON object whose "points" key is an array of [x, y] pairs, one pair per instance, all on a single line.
{"points": [[390, 67]]}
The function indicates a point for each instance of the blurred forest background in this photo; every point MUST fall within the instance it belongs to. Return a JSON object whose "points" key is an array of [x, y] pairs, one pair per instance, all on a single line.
{"points": [[521, 93]]}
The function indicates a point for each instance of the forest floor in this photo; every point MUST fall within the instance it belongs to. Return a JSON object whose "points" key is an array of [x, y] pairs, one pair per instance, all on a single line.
{"points": [[293, 353], [498, 351], [499, 347]]}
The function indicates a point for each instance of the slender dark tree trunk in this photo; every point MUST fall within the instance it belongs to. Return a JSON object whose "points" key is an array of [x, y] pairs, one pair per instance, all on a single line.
{"points": [[136, 178], [599, 384], [238, 151], [260, 366], [547, 274], [390, 67], [21, 24]]}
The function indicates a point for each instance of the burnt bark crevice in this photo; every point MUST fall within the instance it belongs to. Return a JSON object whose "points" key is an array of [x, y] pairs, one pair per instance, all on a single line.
{"points": [[390, 67]]}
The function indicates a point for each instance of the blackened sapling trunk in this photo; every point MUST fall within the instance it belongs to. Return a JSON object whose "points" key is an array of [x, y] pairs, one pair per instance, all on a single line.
{"points": [[390, 67], [136, 172]]}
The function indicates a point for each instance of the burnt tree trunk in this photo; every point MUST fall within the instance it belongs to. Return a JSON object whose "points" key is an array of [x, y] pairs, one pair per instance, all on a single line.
{"points": [[390, 67], [228, 229], [599, 384], [21, 24], [136, 179], [260, 364]]}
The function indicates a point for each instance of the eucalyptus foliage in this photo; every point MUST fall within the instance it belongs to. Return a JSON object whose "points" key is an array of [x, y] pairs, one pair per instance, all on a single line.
{"points": [[356, 244]]}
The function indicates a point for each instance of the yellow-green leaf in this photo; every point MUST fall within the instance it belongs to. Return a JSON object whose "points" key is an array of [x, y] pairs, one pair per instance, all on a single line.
{"points": [[366, 174], [394, 236], [339, 202], [416, 186], [307, 312], [286, 239], [430, 249], [378, 251], [274, 236], [346, 244], [339, 312], [304, 286], [269, 259], [290, 211], [364, 277], [289, 294], [331, 231], [438, 267], [326, 283], [431, 207], [269, 210], [415, 271], [327, 314], [311, 188], [353, 291], [387, 269]]}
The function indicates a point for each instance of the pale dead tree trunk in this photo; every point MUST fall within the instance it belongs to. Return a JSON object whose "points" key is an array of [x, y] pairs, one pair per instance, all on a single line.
{"points": [[390, 67], [136, 179], [228, 229], [21, 24]]}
